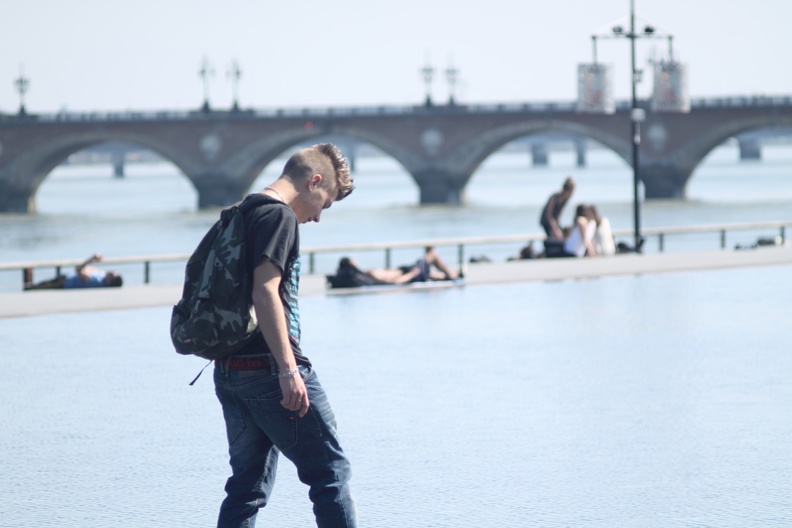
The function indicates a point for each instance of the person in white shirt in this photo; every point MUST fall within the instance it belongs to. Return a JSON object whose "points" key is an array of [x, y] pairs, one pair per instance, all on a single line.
{"points": [[580, 241], [603, 238]]}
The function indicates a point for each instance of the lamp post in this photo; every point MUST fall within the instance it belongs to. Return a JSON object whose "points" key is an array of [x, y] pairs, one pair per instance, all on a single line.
{"points": [[234, 73], [637, 115], [452, 74], [205, 73], [22, 84], [428, 73]]}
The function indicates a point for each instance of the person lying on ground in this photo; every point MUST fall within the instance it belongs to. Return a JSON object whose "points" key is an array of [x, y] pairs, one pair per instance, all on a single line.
{"points": [[349, 275], [83, 276]]}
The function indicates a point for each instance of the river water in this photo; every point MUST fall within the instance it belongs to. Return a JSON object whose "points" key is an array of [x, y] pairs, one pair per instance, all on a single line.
{"points": [[657, 400]]}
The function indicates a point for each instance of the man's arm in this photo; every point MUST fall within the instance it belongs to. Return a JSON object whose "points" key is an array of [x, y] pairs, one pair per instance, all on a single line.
{"points": [[272, 324], [84, 270]]}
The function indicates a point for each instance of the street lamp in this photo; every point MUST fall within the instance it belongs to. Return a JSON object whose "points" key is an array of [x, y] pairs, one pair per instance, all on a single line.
{"points": [[234, 73], [22, 84], [428, 73], [637, 115], [452, 74], [205, 73]]}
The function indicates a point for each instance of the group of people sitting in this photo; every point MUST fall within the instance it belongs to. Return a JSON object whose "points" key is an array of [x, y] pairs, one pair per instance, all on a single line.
{"points": [[429, 267], [589, 235]]}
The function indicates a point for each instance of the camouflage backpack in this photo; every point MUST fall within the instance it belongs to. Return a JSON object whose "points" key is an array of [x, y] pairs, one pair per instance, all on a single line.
{"points": [[214, 317]]}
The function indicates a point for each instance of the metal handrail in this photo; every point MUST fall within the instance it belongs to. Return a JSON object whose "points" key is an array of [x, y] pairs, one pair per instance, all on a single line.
{"points": [[388, 247]]}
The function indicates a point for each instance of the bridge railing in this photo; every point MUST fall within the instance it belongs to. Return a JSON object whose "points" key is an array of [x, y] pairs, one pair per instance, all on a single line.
{"points": [[461, 244], [358, 111]]}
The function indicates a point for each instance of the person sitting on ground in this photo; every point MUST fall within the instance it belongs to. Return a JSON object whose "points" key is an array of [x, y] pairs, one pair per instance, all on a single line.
{"points": [[603, 237], [552, 210], [83, 276], [580, 241], [349, 275]]}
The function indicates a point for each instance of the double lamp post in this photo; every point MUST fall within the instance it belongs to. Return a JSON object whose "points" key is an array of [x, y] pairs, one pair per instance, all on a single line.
{"points": [[637, 115]]}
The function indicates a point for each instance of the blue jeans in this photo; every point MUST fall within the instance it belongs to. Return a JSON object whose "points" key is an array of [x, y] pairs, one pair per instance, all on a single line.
{"points": [[258, 428]]}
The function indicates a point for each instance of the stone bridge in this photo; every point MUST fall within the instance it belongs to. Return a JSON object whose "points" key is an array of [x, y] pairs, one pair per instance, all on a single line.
{"points": [[222, 153]]}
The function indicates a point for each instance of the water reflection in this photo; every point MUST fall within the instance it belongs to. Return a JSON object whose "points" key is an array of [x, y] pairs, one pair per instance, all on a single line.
{"points": [[639, 401]]}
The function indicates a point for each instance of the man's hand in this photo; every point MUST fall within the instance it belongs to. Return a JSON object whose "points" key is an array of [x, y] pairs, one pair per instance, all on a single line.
{"points": [[295, 395]]}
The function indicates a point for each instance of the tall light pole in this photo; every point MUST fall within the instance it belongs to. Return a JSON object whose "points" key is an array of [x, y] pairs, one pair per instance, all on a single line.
{"points": [[452, 75], [234, 73], [205, 73], [637, 115], [22, 84], [428, 73]]}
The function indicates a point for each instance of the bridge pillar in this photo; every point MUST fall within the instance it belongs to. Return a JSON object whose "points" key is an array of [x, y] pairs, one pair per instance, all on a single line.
{"points": [[217, 189], [439, 187], [16, 200], [118, 164], [750, 149], [539, 154], [580, 150], [664, 181]]}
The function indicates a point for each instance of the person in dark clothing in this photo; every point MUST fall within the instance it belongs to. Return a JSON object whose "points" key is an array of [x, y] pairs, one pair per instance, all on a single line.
{"points": [[349, 275], [552, 210], [83, 276], [271, 397]]}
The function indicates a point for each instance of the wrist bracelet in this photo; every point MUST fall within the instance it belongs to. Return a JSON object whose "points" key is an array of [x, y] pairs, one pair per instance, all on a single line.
{"points": [[290, 374]]}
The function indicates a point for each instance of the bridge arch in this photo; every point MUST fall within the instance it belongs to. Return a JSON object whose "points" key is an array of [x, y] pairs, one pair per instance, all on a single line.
{"points": [[251, 160], [31, 169], [694, 153], [468, 157]]}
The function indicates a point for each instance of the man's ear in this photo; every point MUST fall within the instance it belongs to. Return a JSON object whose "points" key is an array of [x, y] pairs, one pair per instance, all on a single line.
{"points": [[315, 180]]}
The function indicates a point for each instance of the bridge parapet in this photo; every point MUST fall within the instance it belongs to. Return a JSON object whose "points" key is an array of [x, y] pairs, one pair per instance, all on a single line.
{"points": [[535, 107]]}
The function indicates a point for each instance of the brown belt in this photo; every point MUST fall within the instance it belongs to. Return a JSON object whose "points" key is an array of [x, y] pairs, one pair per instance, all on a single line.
{"points": [[248, 363]]}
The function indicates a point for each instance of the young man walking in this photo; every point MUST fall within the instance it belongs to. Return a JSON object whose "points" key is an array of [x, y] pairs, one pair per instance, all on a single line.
{"points": [[272, 400]]}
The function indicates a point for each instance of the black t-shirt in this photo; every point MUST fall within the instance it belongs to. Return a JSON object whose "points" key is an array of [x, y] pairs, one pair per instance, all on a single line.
{"points": [[272, 233]]}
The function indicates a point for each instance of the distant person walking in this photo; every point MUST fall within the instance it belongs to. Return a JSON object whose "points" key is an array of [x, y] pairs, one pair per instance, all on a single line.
{"points": [[552, 210], [271, 397]]}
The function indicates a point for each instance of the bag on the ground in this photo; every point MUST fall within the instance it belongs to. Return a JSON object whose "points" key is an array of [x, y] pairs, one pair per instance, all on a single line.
{"points": [[214, 317]]}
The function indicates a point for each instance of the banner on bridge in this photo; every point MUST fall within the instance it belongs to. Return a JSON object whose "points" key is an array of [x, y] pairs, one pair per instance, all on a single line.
{"points": [[670, 93], [595, 89]]}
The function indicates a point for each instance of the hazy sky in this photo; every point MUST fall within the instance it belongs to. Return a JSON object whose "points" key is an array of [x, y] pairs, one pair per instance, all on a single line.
{"points": [[145, 54]]}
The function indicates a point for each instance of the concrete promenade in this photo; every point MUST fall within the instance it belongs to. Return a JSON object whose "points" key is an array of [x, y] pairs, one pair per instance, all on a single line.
{"points": [[33, 303]]}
